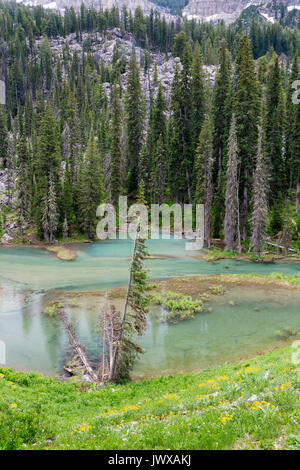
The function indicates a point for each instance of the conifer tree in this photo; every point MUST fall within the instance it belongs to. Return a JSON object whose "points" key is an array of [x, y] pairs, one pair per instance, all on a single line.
{"points": [[275, 118], [91, 188], [141, 197], [68, 199], [10, 165], [181, 156], [158, 177], [231, 198], [134, 107], [3, 137], [158, 147], [134, 316], [47, 166], [71, 130], [222, 110], [197, 95], [247, 107], [65, 229], [295, 148], [116, 185], [291, 127], [22, 182], [158, 119], [52, 209], [292, 140], [260, 205], [203, 175]]}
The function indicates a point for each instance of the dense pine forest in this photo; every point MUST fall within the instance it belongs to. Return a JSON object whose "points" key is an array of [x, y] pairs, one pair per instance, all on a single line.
{"points": [[77, 130]]}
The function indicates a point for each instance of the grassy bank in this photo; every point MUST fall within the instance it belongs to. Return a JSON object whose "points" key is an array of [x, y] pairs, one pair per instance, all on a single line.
{"points": [[248, 405]]}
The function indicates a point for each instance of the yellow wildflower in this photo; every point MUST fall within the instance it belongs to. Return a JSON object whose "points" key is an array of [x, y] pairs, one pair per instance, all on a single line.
{"points": [[284, 386], [225, 418], [171, 396], [222, 377]]}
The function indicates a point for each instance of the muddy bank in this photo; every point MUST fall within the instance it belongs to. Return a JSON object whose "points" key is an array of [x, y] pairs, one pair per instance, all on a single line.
{"points": [[194, 286]]}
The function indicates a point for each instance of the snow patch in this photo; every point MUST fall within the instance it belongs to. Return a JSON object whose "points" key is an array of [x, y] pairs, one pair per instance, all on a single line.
{"points": [[293, 7], [269, 18], [51, 5]]}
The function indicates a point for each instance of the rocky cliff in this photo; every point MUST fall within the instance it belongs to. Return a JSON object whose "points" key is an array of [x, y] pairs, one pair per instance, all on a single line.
{"points": [[230, 10], [206, 10], [61, 5]]}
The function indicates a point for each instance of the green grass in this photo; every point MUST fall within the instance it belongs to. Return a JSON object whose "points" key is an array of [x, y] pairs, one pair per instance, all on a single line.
{"points": [[287, 279], [206, 410]]}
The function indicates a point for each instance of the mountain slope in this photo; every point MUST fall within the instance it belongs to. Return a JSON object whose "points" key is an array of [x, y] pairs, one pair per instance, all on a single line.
{"points": [[205, 10], [61, 5], [230, 10]]}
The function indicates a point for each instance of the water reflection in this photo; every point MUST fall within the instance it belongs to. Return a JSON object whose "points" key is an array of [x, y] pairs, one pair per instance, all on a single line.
{"points": [[231, 330]]}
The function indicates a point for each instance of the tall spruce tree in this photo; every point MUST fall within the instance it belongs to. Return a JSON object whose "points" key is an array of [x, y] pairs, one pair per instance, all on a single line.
{"points": [[47, 164], [260, 205], [159, 148], [134, 316], [197, 95], [3, 137], [295, 149], [222, 110], [181, 154], [91, 188], [231, 198], [274, 125], [247, 108], [203, 175], [292, 136], [116, 183], [134, 107], [23, 187]]}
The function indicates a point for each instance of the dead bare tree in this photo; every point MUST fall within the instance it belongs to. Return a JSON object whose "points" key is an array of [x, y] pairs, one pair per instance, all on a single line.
{"points": [[78, 348], [109, 331]]}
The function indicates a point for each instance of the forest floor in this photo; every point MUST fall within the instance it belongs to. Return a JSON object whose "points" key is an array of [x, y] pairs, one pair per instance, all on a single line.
{"points": [[253, 404]]}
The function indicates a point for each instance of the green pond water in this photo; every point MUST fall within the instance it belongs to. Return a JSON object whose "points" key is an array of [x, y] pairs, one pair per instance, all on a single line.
{"points": [[30, 278]]}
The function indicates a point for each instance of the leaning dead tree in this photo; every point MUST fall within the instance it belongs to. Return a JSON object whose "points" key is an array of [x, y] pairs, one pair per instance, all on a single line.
{"points": [[78, 348], [134, 316]]}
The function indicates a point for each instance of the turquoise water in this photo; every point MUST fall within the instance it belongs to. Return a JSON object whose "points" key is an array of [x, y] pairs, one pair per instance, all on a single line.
{"points": [[105, 265], [34, 341]]}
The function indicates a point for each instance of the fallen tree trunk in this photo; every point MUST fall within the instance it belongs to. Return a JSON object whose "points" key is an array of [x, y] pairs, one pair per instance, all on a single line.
{"points": [[78, 348], [276, 245]]}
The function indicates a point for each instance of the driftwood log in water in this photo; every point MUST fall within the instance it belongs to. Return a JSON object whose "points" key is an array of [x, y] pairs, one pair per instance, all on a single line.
{"points": [[78, 348]]}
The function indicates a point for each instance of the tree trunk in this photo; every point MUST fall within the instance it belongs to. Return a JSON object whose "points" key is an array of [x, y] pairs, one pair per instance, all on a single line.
{"points": [[245, 208], [297, 198], [78, 348], [116, 352]]}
